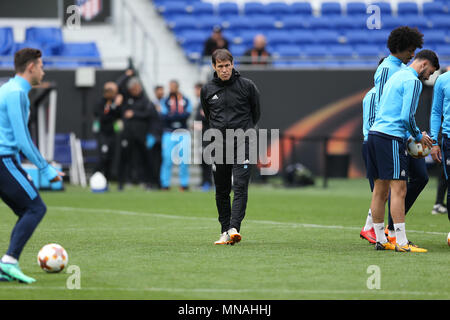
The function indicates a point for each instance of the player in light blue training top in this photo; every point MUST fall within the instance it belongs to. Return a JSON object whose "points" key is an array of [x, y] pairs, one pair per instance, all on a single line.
{"points": [[439, 109], [387, 162], [402, 43], [16, 190]]}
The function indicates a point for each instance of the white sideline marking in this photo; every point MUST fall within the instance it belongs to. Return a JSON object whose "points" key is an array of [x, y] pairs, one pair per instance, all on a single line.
{"points": [[211, 290], [268, 222]]}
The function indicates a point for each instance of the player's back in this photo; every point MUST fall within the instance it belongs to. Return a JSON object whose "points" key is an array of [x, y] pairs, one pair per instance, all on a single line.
{"points": [[385, 70], [8, 144], [443, 84], [389, 119]]}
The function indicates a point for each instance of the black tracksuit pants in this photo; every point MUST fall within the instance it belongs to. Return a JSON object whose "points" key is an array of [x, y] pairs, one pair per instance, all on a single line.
{"points": [[231, 215]]}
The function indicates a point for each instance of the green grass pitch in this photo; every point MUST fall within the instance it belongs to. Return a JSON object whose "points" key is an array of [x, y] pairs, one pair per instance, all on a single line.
{"points": [[297, 244]]}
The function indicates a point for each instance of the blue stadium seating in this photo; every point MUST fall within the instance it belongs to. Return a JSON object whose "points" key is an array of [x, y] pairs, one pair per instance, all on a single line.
{"points": [[6, 41], [326, 37], [407, 8], [49, 37], [356, 8], [331, 9], [288, 50], [81, 54], [339, 51], [302, 37], [254, 8], [433, 8], [201, 9], [301, 8], [316, 50], [225, 9], [385, 8], [278, 9]]}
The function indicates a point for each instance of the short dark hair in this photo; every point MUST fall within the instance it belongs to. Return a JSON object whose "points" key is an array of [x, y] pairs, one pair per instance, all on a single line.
{"points": [[198, 85], [221, 55], [403, 38], [430, 56], [158, 87], [24, 57]]}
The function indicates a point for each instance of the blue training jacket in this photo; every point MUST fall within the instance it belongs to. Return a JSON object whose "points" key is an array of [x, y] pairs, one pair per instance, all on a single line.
{"points": [[398, 105], [368, 111], [440, 107], [14, 133]]}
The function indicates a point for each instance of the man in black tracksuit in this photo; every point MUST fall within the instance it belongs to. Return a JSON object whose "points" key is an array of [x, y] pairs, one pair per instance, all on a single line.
{"points": [[230, 102]]}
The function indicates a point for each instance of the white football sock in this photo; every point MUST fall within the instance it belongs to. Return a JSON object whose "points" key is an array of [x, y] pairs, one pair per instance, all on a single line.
{"points": [[9, 259], [391, 233], [379, 231], [369, 221], [400, 232]]}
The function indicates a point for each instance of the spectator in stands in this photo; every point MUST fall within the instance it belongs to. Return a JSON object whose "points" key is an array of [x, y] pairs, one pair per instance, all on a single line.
{"points": [[175, 111], [106, 113], [258, 54], [159, 94], [216, 41], [202, 124], [136, 113]]}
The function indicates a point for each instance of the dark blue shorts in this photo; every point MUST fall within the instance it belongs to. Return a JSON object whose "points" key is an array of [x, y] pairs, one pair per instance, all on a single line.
{"points": [[386, 157], [364, 155], [16, 188], [446, 155]]}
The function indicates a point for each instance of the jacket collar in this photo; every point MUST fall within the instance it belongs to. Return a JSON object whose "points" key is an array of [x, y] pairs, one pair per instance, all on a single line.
{"points": [[234, 75], [23, 83]]}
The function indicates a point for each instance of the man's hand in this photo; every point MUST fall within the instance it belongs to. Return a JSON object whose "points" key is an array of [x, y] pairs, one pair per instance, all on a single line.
{"points": [[58, 177], [436, 154], [426, 140], [118, 100], [129, 114]]}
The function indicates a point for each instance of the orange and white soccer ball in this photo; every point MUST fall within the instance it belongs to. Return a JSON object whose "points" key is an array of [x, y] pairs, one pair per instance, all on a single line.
{"points": [[52, 258], [416, 150], [448, 239]]}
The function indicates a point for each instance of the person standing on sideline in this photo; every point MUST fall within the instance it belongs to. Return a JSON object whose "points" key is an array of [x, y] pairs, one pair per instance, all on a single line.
{"points": [[439, 109], [230, 101], [16, 190], [106, 113], [175, 111], [202, 125], [387, 161]]}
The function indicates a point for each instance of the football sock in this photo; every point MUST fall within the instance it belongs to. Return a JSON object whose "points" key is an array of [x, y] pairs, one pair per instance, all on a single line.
{"points": [[391, 233], [9, 259], [369, 221], [400, 233], [379, 232]]}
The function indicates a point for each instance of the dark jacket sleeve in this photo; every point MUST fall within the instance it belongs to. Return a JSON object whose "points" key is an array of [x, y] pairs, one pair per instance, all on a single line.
{"points": [[254, 103], [204, 104]]}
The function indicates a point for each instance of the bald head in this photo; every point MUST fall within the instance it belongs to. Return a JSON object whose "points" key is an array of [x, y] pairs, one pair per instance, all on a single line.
{"points": [[259, 42]]}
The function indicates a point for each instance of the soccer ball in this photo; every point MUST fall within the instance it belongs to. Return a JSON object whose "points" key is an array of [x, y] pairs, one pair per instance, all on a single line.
{"points": [[448, 239], [52, 258], [416, 150], [98, 182]]}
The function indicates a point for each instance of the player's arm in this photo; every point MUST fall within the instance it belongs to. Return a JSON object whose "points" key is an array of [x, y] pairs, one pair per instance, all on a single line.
{"points": [[380, 81], [255, 103], [15, 104], [411, 94], [204, 104], [436, 119]]}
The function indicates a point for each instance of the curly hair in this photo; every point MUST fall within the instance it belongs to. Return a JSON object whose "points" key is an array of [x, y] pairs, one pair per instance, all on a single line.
{"points": [[403, 38]]}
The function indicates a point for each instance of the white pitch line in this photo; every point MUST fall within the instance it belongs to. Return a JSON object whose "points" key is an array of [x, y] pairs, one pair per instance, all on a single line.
{"points": [[221, 290], [268, 222]]}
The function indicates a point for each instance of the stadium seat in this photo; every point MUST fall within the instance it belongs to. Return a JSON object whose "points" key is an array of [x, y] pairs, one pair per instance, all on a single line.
{"points": [[301, 8], [433, 8], [278, 9], [302, 37], [316, 51], [419, 22], [330, 9], [183, 22], [254, 8], [237, 23], [80, 54], [225, 9], [385, 8], [275, 38], [201, 9], [247, 36], [290, 50], [6, 41], [263, 23], [326, 37], [407, 8], [238, 50], [208, 23], [443, 50], [347, 22], [390, 22], [441, 21], [379, 36], [434, 37], [319, 23], [193, 37], [170, 8], [341, 51], [365, 51], [49, 37], [356, 8], [357, 36], [294, 22]]}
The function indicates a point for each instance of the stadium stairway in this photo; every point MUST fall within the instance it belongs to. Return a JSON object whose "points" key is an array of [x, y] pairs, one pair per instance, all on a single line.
{"points": [[172, 62]]}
